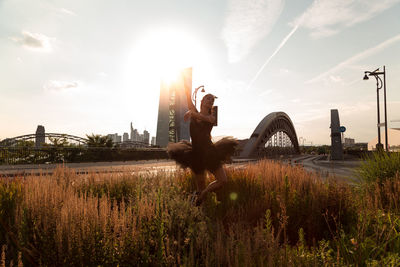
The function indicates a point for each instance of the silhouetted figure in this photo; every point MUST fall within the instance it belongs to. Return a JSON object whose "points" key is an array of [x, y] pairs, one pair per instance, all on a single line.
{"points": [[202, 154]]}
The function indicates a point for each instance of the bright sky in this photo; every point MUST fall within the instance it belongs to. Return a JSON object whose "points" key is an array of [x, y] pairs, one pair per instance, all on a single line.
{"points": [[93, 66]]}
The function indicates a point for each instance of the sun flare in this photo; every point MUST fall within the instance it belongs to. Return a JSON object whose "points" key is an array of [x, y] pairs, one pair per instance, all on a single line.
{"points": [[163, 54]]}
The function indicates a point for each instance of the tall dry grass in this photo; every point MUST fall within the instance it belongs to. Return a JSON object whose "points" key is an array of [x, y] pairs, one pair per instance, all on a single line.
{"points": [[268, 214]]}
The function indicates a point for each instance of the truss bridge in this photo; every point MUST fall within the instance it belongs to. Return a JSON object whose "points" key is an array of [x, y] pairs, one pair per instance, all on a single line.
{"points": [[274, 135], [43, 137]]}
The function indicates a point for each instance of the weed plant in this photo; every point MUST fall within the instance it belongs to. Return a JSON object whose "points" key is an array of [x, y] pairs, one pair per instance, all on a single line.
{"points": [[267, 214]]}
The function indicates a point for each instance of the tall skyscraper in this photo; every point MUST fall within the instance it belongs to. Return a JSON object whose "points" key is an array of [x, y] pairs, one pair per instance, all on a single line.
{"points": [[171, 109], [132, 132]]}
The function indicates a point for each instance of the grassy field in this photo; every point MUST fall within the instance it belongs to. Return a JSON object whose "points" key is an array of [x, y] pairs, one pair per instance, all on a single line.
{"points": [[268, 214]]}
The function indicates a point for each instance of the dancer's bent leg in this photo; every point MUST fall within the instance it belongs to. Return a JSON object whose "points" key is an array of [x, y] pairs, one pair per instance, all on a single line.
{"points": [[200, 180], [220, 180]]}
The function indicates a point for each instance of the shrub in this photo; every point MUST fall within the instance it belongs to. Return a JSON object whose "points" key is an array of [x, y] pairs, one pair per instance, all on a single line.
{"points": [[379, 167]]}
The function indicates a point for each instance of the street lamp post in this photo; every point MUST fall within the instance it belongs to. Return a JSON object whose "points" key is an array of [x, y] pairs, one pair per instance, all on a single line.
{"points": [[379, 84], [195, 93]]}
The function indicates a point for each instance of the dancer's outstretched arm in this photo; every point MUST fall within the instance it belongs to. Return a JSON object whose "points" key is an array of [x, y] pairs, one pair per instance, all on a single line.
{"points": [[189, 99], [193, 111]]}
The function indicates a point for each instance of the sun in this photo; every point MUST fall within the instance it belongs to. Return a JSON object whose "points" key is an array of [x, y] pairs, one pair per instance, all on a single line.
{"points": [[164, 53]]}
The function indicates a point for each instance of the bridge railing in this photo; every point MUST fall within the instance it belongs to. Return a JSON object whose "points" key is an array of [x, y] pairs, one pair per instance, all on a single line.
{"points": [[32, 155]]}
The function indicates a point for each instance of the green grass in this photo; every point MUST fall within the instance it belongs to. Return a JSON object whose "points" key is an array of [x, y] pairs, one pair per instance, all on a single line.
{"points": [[268, 214]]}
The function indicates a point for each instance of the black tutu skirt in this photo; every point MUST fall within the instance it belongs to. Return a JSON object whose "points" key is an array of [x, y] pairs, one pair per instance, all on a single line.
{"points": [[205, 157]]}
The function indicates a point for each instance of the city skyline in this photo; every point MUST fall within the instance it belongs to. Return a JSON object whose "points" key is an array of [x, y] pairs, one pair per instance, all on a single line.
{"points": [[81, 70]]}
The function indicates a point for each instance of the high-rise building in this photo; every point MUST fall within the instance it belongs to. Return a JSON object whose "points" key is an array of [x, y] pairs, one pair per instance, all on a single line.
{"points": [[171, 109], [153, 140], [135, 136], [115, 137], [125, 137], [146, 137]]}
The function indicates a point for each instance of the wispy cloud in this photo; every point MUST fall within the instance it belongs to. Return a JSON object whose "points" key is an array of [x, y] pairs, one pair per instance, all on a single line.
{"points": [[357, 57], [34, 41], [67, 12], [328, 17], [54, 85], [248, 22], [312, 111]]}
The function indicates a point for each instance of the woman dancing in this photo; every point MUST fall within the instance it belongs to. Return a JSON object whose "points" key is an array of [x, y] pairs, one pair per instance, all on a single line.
{"points": [[202, 154]]}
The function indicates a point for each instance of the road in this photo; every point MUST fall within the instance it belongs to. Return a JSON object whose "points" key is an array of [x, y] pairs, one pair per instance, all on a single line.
{"points": [[339, 169], [89, 167], [141, 166]]}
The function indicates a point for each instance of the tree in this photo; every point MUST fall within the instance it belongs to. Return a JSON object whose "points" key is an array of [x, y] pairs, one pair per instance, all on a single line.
{"points": [[58, 141], [97, 140], [25, 143]]}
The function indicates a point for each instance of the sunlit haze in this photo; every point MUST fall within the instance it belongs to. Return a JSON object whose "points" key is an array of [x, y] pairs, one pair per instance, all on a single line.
{"points": [[83, 67]]}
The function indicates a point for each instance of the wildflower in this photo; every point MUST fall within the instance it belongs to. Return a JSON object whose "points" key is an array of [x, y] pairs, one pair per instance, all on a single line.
{"points": [[353, 241]]}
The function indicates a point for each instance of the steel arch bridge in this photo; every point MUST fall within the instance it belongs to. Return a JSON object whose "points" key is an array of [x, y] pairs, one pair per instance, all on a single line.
{"points": [[32, 137], [275, 134]]}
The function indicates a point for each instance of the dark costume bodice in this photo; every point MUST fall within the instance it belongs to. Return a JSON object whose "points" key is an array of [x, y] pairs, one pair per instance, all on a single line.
{"points": [[200, 132], [202, 154]]}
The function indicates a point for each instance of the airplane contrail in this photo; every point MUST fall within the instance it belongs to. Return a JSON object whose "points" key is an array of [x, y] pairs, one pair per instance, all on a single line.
{"points": [[273, 54]]}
